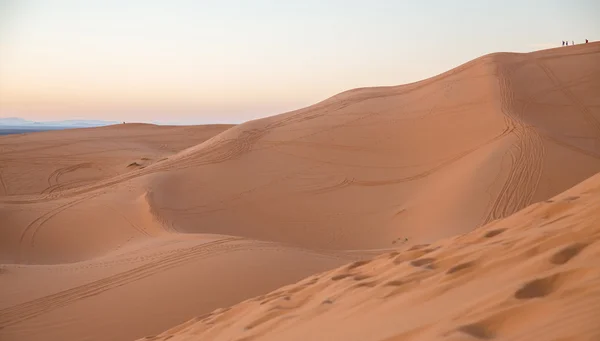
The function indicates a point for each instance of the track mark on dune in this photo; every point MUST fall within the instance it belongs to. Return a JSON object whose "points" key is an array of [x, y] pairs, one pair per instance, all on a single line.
{"points": [[24, 311], [564, 88], [220, 150], [131, 223], [217, 151], [346, 182], [3, 184], [571, 147], [54, 177], [31, 309], [33, 228], [527, 157]]}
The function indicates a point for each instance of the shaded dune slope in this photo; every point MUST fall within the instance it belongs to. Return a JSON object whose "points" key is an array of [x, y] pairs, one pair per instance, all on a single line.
{"points": [[532, 276]]}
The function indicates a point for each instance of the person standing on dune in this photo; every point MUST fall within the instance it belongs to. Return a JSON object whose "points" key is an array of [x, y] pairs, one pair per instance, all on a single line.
{"points": [[563, 43], [586, 41]]}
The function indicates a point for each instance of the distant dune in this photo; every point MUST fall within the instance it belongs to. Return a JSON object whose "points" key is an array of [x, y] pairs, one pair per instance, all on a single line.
{"points": [[9, 130], [53, 161], [19, 122], [453, 184]]}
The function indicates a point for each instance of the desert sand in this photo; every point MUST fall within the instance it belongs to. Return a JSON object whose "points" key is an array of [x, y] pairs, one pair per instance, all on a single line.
{"points": [[453, 184], [532, 276]]}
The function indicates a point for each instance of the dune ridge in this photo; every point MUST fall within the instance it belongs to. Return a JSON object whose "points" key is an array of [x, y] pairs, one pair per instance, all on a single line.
{"points": [[505, 153], [125, 231]]}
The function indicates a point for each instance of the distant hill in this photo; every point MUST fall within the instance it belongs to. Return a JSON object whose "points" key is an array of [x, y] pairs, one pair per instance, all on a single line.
{"points": [[19, 122]]}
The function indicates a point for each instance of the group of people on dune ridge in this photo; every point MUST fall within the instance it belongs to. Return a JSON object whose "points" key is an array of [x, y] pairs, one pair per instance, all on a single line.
{"points": [[566, 42]]}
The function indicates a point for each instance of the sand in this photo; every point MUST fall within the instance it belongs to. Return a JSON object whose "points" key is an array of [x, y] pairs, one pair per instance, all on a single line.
{"points": [[125, 231], [532, 276]]}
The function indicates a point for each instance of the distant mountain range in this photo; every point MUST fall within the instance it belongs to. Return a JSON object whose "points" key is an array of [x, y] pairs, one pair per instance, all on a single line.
{"points": [[19, 122]]}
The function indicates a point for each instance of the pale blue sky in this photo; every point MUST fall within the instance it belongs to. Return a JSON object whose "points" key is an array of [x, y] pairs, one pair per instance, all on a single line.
{"points": [[230, 61]]}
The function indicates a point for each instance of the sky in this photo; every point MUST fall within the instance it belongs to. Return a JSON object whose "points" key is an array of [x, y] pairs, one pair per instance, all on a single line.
{"points": [[204, 61]]}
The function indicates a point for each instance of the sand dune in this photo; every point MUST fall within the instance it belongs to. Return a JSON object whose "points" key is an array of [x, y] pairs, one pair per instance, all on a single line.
{"points": [[125, 231], [54, 161], [81, 260], [146, 287], [367, 166], [532, 276]]}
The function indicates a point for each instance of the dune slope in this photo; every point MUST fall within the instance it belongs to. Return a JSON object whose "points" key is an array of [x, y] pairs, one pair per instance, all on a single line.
{"points": [[55, 161], [532, 276], [420, 161], [146, 286], [92, 260]]}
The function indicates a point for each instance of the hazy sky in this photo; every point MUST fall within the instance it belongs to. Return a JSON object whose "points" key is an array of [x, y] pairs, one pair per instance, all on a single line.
{"points": [[229, 61]]}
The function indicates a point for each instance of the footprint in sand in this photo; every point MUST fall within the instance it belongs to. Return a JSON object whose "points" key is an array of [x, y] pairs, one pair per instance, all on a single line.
{"points": [[460, 267], [567, 253], [536, 288], [493, 233], [427, 263]]}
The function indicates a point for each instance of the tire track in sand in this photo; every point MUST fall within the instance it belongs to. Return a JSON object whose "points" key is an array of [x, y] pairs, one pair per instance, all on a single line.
{"points": [[346, 182], [3, 184], [217, 152], [133, 225], [33, 228], [27, 310], [564, 88], [527, 156], [54, 177]]}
